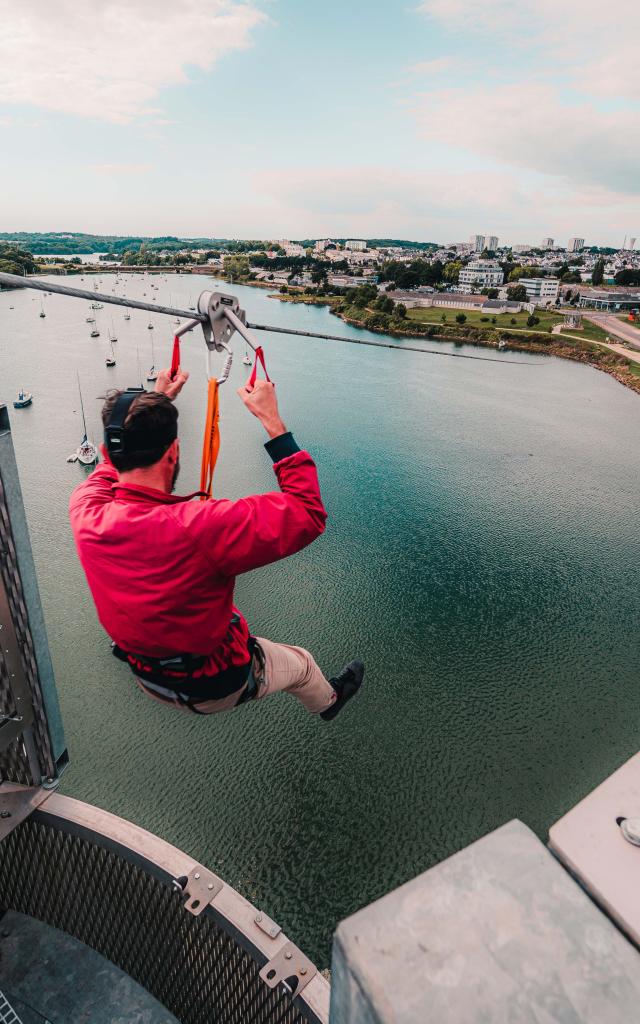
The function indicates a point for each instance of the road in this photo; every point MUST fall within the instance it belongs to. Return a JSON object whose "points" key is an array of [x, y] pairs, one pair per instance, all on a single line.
{"points": [[618, 328]]}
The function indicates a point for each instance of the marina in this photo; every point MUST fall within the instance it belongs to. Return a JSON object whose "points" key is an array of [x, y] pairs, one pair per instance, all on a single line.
{"points": [[496, 638]]}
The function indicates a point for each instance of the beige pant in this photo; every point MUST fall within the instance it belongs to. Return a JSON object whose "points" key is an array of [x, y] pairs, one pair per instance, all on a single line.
{"points": [[277, 668]]}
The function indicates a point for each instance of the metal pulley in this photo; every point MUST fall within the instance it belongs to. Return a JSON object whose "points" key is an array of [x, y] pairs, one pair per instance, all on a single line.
{"points": [[223, 318]]}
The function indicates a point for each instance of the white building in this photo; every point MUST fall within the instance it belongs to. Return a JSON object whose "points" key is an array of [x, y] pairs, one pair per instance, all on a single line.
{"points": [[293, 249], [575, 244], [492, 243], [480, 274], [477, 243], [547, 243], [322, 244], [541, 290], [355, 244]]}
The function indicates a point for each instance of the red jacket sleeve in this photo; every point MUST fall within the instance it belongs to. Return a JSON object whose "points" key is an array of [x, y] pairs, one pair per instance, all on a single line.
{"points": [[254, 531], [95, 490]]}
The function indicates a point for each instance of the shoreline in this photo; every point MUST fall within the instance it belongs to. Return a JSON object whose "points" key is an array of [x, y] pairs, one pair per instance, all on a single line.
{"points": [[582, 350]]}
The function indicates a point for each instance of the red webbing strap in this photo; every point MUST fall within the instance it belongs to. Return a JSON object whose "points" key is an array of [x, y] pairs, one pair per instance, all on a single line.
{"points": [[254, 372], [175, 358]]}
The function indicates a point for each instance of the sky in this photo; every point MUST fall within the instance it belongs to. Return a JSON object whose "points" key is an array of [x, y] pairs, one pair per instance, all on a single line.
{"points": [[429, 120]]}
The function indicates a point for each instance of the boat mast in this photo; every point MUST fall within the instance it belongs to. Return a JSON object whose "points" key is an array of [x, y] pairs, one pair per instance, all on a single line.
{"points": [[84, 422]]}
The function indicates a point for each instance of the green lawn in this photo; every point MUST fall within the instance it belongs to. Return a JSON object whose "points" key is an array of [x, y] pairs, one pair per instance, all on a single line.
{"points": [[475, 318]]}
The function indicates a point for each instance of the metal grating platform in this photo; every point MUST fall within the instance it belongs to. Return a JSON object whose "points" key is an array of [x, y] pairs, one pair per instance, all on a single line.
{"points": [[124, 905]]}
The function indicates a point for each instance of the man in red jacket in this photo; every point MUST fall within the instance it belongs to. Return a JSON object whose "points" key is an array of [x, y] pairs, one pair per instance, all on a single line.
{"points": [[162, 568]]}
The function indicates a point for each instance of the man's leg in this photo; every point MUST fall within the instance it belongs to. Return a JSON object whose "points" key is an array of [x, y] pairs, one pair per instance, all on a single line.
{"points": [[291, 670]]}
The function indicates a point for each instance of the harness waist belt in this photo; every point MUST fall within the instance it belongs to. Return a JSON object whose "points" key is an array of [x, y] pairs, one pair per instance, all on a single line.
{"points": [[175, 673]]}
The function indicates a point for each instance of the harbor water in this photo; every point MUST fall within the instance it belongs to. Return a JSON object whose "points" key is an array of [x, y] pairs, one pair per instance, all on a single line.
{"points": [[481, 556]]}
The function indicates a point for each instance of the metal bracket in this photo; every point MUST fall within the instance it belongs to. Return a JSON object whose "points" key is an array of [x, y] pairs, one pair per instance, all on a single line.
{"points": [[17, 803], [219, 330], [200, 888], [267, 925], [289, 967]]}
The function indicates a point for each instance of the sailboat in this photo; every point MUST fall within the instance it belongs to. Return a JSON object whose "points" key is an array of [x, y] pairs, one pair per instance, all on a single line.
{"points": [[152, 375], [95, 333], [24, 399], [111, 359], [245, 358], [42, 312], [112, 336], [127, 316], [149, 326], [86, 452]]}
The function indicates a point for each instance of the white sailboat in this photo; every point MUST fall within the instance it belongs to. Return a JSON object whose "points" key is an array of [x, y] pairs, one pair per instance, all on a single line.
{"points": [[112, 333], [42, 312], [86, 452], [152, 375], [111, 359], [245, 358]]}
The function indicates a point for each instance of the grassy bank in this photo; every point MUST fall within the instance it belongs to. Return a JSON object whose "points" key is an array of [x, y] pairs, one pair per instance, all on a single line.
{"points": [[584, 346]]}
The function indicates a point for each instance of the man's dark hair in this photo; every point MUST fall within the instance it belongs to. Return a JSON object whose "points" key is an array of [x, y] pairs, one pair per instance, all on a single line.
{"points": [[150, 428]]}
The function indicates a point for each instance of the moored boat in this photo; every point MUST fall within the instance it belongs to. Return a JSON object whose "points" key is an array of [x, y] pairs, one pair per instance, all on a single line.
{"points": [[24, 399]]}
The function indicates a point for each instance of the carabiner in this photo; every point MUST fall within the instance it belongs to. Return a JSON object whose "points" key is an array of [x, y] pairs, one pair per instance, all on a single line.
{"points": [[226, 369]]}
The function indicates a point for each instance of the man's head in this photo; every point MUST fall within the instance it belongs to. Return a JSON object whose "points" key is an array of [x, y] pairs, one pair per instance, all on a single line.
{"points": [[149, 434]]}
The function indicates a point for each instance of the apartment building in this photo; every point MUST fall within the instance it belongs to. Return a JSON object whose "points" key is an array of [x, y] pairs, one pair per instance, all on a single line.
{"points": [[543, 291], [477, 243], [480, 274], [575, 244], [355, 245], [491, 243]]}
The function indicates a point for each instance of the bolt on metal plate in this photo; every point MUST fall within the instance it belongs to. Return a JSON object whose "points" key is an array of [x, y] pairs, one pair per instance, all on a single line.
{"points": [[289, 967], [267, 925], [201, 888], [17, 803]]}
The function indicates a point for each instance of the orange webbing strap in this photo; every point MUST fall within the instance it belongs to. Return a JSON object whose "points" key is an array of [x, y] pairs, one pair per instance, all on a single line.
{"points": [[211, 441]]}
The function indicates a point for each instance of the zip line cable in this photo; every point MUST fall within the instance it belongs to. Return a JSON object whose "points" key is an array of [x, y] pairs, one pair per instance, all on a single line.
{"points": [[16, 281]]}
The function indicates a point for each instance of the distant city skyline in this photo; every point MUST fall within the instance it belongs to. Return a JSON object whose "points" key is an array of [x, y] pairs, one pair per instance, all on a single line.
{"points": [[272, 118]]}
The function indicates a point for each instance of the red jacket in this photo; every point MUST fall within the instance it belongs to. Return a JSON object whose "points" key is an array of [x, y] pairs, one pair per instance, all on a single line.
{"points": [[162, 568]]}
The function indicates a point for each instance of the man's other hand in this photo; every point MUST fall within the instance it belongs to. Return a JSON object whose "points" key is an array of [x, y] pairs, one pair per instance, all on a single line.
{"points": [[262, 402], [168, 387]]}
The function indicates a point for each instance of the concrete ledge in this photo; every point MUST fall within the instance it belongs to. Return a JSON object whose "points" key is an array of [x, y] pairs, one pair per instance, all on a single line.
{"points": [[589, 842], [497, 934]]}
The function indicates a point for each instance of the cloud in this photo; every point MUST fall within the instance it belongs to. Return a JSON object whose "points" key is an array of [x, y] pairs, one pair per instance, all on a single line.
{"points": [[113, 169], [432, 67], [110, 59], [565, 98], [591, 48], [371, 200], [535, 127]]}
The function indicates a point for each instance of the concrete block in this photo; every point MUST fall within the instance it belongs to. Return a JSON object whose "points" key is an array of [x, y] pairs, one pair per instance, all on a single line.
{"points": [[497, 934]]}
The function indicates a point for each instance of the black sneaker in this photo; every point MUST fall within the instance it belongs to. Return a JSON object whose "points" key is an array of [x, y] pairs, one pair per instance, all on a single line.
{"points": [[346, 686]]}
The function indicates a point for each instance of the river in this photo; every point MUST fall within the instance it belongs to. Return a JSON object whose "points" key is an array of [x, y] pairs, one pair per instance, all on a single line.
{"points": [[481, 556]]}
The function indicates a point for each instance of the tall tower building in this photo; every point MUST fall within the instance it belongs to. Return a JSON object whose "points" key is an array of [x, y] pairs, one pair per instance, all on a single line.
{"points": [[477, 241], [491, 243], [574, 244], [547, 243]]}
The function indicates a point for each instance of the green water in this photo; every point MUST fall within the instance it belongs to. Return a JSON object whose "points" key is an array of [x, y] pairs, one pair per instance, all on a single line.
{"points": [[481, 556]]}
